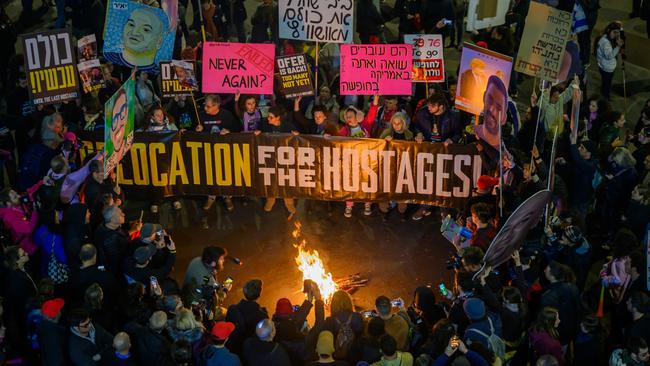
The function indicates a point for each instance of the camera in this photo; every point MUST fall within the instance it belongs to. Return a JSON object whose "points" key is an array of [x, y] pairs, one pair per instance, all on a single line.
{"points": [[454, 262]]}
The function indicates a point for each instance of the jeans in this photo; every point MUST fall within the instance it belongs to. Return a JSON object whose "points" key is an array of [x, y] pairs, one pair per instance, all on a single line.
{"points": [[606, 83]]}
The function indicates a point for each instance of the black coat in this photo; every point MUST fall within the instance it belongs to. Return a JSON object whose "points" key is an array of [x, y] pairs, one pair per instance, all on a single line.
{"points": [[259, 353], [81, 350], [81, 279], [111, 246], [76, 233], [52, 340], [245, 315], [150, 348], [565, 298]]}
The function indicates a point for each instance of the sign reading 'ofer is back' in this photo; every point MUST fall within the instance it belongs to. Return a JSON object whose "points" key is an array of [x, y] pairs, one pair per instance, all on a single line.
{"points": [[294, 76], [50, 66]]}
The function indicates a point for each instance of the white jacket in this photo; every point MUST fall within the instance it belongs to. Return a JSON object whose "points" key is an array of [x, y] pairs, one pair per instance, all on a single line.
{"points": [[606, 55]]}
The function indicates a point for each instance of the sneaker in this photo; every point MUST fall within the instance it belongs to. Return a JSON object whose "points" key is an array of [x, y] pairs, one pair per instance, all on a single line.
{"points": [[177, 205], [348, 211], [154, 209], [209, 202], [367, 210], [229, 205]]}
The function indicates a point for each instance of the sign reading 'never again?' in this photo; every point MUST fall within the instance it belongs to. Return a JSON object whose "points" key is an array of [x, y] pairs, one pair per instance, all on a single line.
{"points": [[278, 165], [50, 66], [316, 20]]}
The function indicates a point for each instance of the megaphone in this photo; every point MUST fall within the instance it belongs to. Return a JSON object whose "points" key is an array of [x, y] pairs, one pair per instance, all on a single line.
{"points": [[450, 229]]}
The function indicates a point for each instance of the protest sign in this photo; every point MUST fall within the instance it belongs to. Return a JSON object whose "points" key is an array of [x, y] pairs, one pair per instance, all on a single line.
{"points": [[543, 42], [514, 231], [476, 66], [483, 14], [87, 48], [284, 165], [91, 76], [177, 78], [316, 20], [50, 67], [376, 69], [119, 112], [245, 68], [137, 35], [428, 61], [294, 75]]}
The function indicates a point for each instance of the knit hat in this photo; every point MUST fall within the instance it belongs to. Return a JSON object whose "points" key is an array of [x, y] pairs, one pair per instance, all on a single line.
{"points": [[283, 307], [222, 330], [144, 253], [52, 308], [482, 44], [148, 229], [474, 308], [486, 182], [325, 344]]}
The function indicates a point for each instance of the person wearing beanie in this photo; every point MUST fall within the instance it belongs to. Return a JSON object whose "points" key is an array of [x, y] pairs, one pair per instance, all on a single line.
{"points": [[246, 315], [216, 354], [325, 349], [261, 350], [289, 323], [391, 356], [52, 336], [481, 324], [482, 194]]}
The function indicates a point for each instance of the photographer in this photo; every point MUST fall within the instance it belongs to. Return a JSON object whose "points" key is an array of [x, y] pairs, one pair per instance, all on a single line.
{"points": [[205, 267], [140, 268]]}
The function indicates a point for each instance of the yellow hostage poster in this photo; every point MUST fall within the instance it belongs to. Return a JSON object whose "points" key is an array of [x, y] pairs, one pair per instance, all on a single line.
{"points": [[284, 165], [177, 78], [50, 66]]}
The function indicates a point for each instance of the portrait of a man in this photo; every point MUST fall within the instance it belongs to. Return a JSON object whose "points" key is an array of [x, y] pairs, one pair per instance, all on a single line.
{"points": [[142, 36], [473, 79], [495, 104], [118, 134]]}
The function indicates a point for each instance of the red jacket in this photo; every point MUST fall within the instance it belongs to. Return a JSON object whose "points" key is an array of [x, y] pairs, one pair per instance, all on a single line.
{"points": [[544, 344], [20, 227], [366, 124]]}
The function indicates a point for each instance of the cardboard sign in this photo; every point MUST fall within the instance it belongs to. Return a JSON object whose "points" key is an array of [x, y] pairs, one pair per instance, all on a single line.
{"points": [[543, 42], [428, 60], [177, 78], [119, 125], [316, 20], [50, 66], [87, 48], [91, 76], [294, 76], [476, 66], [137, 35], [246, 68], [483, 14], [376, 69]]}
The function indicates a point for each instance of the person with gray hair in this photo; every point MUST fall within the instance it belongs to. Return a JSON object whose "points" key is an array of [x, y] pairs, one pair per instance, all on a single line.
{"points": [[90, 272], [151, 345], [111, 240], [260, 350]]}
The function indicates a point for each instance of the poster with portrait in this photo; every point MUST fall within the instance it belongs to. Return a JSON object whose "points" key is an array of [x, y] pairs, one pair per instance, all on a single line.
{"points": [[246, 68], [543, 43], [51, 67], [119, 112], [294, 75], [91, 76], [428, 59], [177, 78], [137, 35], [477, 64], [87, 48], [483, 14]]}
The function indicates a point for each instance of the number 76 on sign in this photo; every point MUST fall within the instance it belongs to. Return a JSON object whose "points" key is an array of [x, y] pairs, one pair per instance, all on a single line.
{"points": [[428, 60]]}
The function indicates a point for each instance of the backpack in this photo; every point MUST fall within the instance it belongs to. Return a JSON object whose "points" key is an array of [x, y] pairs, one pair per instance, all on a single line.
{"points": [[344, 338], [495, 343], [415, 336]]}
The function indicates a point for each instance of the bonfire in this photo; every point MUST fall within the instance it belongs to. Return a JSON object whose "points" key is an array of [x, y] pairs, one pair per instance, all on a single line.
{"points": [[312, 267]]}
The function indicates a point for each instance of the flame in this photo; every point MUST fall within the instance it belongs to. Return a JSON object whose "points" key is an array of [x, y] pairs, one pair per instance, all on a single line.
{"points": [[312, 267]]}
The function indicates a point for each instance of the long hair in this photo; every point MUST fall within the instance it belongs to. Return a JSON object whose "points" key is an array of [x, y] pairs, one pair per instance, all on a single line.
{"points": [[545, 321], [610, 27], [623, 157], [341, 301]]}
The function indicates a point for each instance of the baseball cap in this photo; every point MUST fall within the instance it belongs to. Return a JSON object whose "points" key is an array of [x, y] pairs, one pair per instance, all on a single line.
{"points": [[222, 330], [148, 229], [325, 344], [52, 308], [144, 253]]}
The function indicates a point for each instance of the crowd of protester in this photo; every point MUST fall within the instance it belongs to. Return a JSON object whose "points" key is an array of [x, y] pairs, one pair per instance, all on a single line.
{"points": [[82, 286]]}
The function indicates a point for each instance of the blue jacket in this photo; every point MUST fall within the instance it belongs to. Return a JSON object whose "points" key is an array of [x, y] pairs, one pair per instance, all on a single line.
{"points": [[448, 124], [47, 240]]}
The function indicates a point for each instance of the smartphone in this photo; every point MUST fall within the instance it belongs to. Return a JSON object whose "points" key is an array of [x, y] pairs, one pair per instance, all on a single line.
{"points": [[368, 314], [154, 282], [296, 308], [447, 21], [396, 303], [443, 289]]}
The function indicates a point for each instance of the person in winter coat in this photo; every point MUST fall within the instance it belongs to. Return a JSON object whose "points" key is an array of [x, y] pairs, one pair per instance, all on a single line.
{"points": [[562, 295], [369, 23], [635, 353], [265, 23], [544, 336], [86, 341], [52, 337], [120, 354], [589, 344], [150, 344], [245, 315], [216, 353], [261, 350], [20, 285], [76, 234], [583, 168], [618, 182], [186, 327], [112, 241], [608, 46], [19, 219], [48, 241]]}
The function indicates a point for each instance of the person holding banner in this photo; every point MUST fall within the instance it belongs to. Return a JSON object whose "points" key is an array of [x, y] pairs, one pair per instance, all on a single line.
{"points": [[435, 122], [320, 124], [398, 131]]}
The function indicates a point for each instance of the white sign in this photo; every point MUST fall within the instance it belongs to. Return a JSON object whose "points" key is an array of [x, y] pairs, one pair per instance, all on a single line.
{"points": [[316, 20]]}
